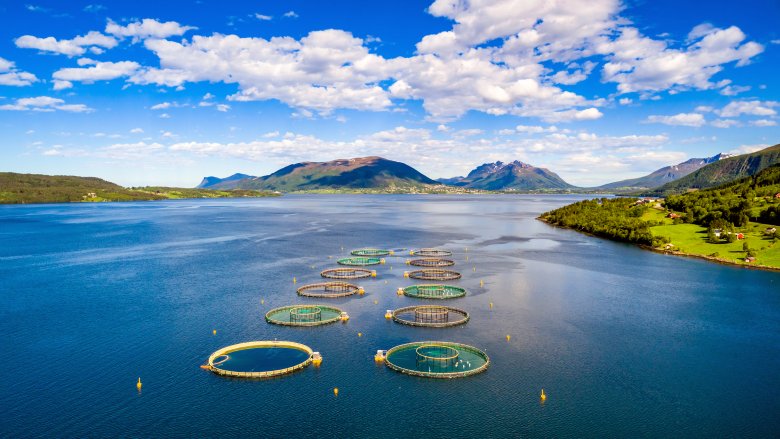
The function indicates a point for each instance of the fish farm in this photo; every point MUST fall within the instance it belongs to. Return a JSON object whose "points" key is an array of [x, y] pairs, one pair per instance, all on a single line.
{"points": [[347, 273], [431, 262], [433, 291], [260, 359], [433, 274], [430, 252], [431, 316], [304, 315], [360, 261], [437, 359], [371, 252], [329, 290]]}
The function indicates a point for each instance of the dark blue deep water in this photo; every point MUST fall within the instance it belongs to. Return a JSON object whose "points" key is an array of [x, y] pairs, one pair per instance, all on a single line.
{"points": [[625, 342]]}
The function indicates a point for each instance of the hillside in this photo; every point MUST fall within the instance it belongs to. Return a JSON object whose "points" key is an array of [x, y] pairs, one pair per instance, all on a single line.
{"points": [[735, 223], [36, 188], [721, 172], [516, 175], [222, 183], [664, 175], [357, 173]]}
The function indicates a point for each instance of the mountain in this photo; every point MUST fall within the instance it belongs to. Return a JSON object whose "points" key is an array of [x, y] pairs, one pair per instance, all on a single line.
{"points": [[664, 175], [222, 183], [515, 175], [356, 173], [721, 172]]}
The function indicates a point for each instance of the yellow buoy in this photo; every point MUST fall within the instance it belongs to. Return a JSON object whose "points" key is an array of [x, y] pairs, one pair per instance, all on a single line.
{"points": [[406, 274], [491, 305], [335, 390], [295, 281], [214, 332], [467, 258], [138, 384], [475, 268], [482, 283], [262, 301], [392, 253], [400, 291], [373, 273], [408, 262], [360, 334], [382, 261], [543, 396], [361, 291], [389, 314], [508, 337], [376, 302]]}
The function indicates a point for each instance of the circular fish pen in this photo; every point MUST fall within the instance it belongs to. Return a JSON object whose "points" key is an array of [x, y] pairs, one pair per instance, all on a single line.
{"points": [[434, 291], [347, 273], [430, 252], [259, 359], [329, 290], [371, 252], [360, 261], [431, 316], [437, 359], [303, 315], [434, 274], [432, 262]]}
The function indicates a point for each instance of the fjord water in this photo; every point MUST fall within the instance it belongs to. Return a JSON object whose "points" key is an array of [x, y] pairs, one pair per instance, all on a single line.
{"points": [[625, 342]]}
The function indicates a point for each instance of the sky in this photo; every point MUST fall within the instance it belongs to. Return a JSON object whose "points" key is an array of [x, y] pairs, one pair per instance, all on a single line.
{"points": [[167, 92]]}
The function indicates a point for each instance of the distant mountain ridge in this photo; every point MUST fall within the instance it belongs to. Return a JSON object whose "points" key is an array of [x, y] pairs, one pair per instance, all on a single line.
{"points": [[721, 172], [514, 175], [222, 183], [355, 173], [665, 175]]}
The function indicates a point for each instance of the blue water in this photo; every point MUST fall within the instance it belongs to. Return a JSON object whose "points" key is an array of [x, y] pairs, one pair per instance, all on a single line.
{"points": [[625, 342], [262, 359]]}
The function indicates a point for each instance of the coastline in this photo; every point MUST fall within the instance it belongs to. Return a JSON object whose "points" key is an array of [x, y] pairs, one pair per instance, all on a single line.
{"points": [[673, 252]]}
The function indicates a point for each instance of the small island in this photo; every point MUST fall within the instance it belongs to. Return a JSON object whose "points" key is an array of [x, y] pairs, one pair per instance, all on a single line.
{"points": [[736, 223]]}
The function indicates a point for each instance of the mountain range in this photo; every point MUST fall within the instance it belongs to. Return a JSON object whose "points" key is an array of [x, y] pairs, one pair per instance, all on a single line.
{"points": [[380, 173], [666, 174]]}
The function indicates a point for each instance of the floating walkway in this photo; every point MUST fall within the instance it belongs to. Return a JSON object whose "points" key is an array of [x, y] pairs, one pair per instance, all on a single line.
{"points": [[436, 359], [305, 315], [360, 261], [347, 273], [433, 274], [373, 252], [260, 359], [330, 290], [433, 291], [430, 316], [431, 262]]}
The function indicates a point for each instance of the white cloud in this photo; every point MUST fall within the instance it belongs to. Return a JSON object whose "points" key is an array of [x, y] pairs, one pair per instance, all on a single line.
{"points": [[262, 17], [147, 28], [640, 64], [733, 90], [291, 14], [10, 75], [72, 47], [61, 85], [763, 123], [101, 71], [753, 108], [223, 107], [137, 130], [625, 101], [165, 116], [681, 119], [747, 149], [44, 104], [724, 123]]}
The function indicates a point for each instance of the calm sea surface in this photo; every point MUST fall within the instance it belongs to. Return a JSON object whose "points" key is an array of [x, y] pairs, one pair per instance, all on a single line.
{"points": [[625, 342]]}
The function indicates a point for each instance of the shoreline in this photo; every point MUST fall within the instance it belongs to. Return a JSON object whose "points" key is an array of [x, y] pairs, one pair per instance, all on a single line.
{"points": [[673, 252]]}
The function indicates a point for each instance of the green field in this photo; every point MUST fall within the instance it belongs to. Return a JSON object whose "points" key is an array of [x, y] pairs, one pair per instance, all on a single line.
{"points": [[692, 239]]}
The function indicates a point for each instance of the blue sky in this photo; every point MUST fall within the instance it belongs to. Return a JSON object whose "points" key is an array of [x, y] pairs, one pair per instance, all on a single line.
{"points": [[168, 92]]}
